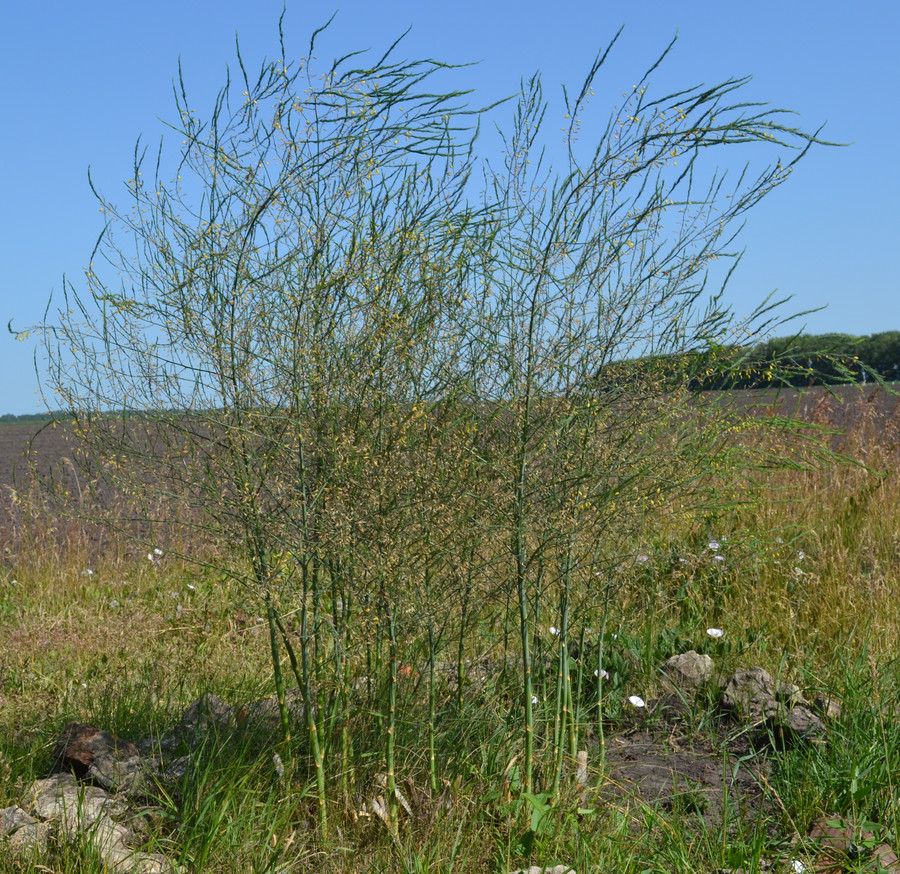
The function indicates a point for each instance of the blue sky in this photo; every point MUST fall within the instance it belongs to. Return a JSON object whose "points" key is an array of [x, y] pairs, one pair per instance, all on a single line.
{"points": [[84, 80]]}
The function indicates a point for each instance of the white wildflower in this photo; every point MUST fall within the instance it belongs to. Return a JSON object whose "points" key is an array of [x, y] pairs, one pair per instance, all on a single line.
{"points": [[603, 675], [715, 632], [636, 701]]}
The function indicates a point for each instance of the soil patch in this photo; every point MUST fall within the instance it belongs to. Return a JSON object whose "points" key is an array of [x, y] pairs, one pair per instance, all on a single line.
{"points": [[689, 777]]}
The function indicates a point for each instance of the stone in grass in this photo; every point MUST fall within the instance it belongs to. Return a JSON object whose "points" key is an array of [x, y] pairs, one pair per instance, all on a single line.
{"points": [[209, 716], [74, 806], [687, 672], [13, 818], [827, 706], [752, 695], [840, 843], [537, 869], [97, 755], [21, 833], [77, 811]]}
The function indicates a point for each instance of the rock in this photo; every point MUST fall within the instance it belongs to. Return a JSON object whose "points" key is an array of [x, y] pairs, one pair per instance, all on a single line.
{"points": [[265, 715], [827, 707], [80, 746], [22, 833], [13, 818], [884, 860], [88, 812], [790, 695], [750, 694], [30, 839], [832, 832], [209, 714], [803, 722], [841, 844], [688, 672], [97, 755], [74, 806], [537, 869]]}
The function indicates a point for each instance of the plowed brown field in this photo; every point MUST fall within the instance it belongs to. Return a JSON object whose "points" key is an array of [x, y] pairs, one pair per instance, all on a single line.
{"points": [[845, 408]]}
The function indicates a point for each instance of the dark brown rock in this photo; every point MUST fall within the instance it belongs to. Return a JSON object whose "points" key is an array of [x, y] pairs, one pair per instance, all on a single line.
{"points": [[80, 746]]}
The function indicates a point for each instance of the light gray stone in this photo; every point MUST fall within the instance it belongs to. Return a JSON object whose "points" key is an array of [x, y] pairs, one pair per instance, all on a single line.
{"points": [[12, 818], [750, 694], [30, 838], [687, 672], [537, 869]]}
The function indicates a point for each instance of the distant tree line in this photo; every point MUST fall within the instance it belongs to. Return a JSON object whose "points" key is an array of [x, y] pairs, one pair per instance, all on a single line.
{"points": [[11, 418], [801, 360]]}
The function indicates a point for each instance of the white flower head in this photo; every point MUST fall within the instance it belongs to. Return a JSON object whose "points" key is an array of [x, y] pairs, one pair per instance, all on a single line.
{"points": [[713, 545], [636, 701], [718, 558], [601, 674], [192, 588], [643, 558], [158, 551], [715, 632], [800, 555], [797, 866], [554, 631], [87, 573], [534, 699]]}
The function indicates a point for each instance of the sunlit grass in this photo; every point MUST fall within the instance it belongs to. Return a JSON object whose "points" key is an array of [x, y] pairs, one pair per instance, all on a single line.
{"points": [[804, 588]]}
